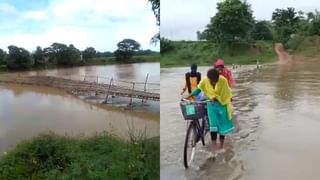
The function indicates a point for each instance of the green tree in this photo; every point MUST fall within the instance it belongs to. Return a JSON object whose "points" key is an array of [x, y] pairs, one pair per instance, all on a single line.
{"points": [[60, 53], [88, 53], [66, 55], [261, 31], [205, 35], [39, 57], [314, 19], [126, 49], [2, 57], [19, 58], [73, 55], [198, 35], [286, 22], [232, 23], [49, 55], [156, 11], [166, 45]]}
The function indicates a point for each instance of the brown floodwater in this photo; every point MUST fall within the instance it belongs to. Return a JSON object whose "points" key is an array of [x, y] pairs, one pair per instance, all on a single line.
{"points": [[26, 111], [277, 138], [128, 72]]}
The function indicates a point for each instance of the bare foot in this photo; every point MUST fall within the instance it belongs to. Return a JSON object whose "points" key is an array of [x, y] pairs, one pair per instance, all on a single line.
{"points": [[221, 151], [215, 147]]}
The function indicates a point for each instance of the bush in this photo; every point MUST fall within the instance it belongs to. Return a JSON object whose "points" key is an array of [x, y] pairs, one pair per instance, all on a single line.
{"points": [[261, 31], [166, 45], [19, 58], [294, 42]]}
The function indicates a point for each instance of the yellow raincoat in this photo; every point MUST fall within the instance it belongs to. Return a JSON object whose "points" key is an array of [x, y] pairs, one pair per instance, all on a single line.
{"points": [[220, 92]]}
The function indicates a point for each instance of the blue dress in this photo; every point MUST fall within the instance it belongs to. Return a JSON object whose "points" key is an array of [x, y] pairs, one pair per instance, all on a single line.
{"points": [[217, 115], [218, 118]]}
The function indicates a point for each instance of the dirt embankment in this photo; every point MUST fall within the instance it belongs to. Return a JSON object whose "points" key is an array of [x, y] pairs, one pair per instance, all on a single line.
{"points": [[286, 58], [283, 56]]}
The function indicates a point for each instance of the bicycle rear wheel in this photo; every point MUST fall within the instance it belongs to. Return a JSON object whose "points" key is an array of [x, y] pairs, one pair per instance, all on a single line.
{"points": [[190, 145]]}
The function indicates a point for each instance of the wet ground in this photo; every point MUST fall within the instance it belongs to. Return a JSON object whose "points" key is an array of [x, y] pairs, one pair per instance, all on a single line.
{"points": [[276, 108]]}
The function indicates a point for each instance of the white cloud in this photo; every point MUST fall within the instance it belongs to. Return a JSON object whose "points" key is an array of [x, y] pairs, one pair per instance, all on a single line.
{"points": [[181, 19], [7, 9], [35, 15], [119, 8], [63, 34], [98, 23]]}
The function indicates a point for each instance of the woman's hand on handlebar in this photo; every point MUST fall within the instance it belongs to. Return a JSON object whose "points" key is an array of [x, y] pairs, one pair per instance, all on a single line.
{"points": [[187, 97]]}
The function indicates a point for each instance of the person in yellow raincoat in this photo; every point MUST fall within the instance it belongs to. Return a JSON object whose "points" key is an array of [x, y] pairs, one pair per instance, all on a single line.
{"points": [[216, 88]]}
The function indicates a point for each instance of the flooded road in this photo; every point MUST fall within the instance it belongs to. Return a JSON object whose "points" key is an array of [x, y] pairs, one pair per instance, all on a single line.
{"points": [[276, 108], [288, 143], [26, 111]]}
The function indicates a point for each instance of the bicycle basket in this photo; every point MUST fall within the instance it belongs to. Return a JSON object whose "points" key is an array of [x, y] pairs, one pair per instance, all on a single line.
{"points": [[192, 111]]}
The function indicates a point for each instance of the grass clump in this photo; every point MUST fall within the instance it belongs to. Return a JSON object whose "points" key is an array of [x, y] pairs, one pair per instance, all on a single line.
{"points": [[51, 156]]}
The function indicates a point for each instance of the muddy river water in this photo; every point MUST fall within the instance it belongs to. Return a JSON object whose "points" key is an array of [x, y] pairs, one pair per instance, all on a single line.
{"points": [[29, 110], [279, 126]]}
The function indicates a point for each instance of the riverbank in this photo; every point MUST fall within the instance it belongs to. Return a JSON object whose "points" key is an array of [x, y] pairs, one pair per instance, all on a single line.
{"points": [[95, 61], [205, 53], [51, 156]]}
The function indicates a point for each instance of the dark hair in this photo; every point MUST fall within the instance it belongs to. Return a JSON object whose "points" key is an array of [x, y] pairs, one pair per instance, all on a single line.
{"points": [[213, 74], [219, 66], [193, 67]]}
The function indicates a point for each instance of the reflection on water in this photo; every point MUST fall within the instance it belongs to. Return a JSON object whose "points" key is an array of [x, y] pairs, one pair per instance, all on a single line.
{"points": [[130, 72], [29, 110], [26, 111], [277, 111]]}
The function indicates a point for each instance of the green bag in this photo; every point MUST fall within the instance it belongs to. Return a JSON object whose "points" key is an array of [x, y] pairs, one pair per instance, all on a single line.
{"points": [[190, 109]]}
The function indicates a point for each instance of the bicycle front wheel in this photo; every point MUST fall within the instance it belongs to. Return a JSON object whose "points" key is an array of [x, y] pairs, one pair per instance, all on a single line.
{"points": [[190, 145]]}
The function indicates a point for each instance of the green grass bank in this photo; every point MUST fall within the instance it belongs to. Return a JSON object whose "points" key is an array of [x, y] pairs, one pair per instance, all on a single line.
{"points": [[51, 156], [205, 53]]}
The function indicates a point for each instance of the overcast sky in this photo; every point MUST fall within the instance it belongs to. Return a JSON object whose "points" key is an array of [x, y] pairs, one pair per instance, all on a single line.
{"points": [[181, 19], [98, 23]]}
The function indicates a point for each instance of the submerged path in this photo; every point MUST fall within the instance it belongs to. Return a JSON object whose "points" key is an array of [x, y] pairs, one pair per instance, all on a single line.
{"points": [[84, 85]]}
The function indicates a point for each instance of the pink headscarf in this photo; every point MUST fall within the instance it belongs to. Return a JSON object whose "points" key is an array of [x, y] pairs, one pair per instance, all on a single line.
{"points": [[219, 62], [226, 72]]}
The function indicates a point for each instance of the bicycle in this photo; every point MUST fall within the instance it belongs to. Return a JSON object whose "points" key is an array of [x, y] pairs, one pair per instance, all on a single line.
{"points": [[194, 112]]}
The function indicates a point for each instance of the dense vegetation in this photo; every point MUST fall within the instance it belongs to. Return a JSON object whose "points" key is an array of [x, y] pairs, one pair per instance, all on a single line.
{"points": [[59, 54], [51, 156], [235, 24], [235, 35], [156, 11]]}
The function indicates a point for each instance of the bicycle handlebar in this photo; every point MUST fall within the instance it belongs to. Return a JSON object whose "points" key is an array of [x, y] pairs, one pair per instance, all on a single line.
{"points": [[188, 101]]}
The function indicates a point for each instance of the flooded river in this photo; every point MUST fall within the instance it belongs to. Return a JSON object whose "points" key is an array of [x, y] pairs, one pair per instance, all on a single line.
{"points": [[276, 108], [127, 72], [29, 110]]}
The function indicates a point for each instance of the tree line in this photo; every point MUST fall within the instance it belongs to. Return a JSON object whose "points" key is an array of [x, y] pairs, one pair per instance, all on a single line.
{"points": [[66, 55], [234, 24]]}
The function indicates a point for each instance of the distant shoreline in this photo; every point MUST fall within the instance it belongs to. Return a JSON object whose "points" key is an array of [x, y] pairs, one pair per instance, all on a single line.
{"points": [[93, 62]]}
